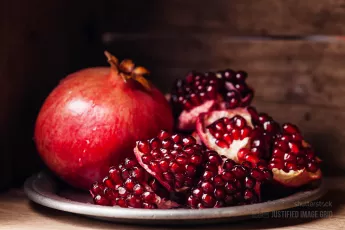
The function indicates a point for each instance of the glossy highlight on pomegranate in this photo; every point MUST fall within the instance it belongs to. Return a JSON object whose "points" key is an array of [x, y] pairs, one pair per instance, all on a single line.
{"points": [[93, 118]]}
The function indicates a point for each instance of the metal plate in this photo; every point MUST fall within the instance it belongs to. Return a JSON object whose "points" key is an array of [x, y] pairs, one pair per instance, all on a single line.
{"points": [[44, 190]]}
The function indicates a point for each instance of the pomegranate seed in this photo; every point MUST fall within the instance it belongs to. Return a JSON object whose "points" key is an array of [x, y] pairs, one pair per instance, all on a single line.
{"points": [[283, 146], [163, 135], [300, 160], [249, 182], [176, 138], [219, 193], [149, 197], [227, 137], [227, 176], [296, 137], [228, 164], [156, 153], [144, 147], [138, 173], [208, 175], [164, 165], [207, 187], [249, 194], [114, 175], [108, 183], [175, 167], [312, 167], [252, 158], [290, 128], [239, 171], [192, 202], [245, 132], [167, 143], [154, 166], [101, 200], [290, 166], [294, 147], [196, 159], [195, 99], [263, 117], [187, 141], [222, 144], [233, 102], [240, 122], [219, 126], [138, 189], [190, 170], [290, 157], [207, 201], [236, 134], [242, 153], [230, 188], [218, 181], [268, 174], [256, 151], [241, 76], [155, 143], [278, 153], [257, 174]]}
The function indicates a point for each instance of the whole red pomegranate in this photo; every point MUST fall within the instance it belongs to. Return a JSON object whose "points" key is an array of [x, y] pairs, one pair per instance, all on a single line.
{"points": [[92, 119]]}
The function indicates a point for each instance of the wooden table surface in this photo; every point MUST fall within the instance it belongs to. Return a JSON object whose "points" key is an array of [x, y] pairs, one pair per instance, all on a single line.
{"points": [[17, 212]]}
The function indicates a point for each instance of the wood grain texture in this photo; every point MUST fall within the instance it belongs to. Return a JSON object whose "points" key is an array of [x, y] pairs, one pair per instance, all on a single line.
{"points": [[302, 72], [40, 43], [16, 212], [231, 17]]}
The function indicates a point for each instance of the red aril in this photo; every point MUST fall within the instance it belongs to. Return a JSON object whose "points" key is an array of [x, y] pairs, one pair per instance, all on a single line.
{"points": [[92, 119]]}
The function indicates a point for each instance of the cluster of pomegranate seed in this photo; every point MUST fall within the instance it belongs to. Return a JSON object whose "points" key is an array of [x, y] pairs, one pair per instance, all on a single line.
{"points": [[173, 159], [204, 92], [227, 130], [233, 184], [129, 185], [291, 152], [194, 90], [237, 93]]}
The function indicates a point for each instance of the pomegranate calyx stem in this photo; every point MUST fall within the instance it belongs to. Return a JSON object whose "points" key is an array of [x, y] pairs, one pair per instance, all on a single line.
{"points": [[127, 70]]}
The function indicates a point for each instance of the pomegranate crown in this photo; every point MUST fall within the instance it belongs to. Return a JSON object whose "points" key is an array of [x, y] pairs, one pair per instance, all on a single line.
{"points": [[127, 70]]}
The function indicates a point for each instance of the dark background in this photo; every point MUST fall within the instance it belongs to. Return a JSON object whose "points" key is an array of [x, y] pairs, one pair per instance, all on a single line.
{"points": [[293, 51]]}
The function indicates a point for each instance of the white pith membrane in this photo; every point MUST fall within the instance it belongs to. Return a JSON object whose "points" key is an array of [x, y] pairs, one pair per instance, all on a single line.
{"points": [[295, 178], [209, 140], [187, 119]]}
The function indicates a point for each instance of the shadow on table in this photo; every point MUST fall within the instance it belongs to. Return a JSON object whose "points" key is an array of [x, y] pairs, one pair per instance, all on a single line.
{"points": [[327, 207]]}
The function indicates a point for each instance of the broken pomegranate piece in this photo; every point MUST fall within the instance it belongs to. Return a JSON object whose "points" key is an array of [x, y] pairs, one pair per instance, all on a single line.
{"points": [[203, 92], [293, 161], [174, 160], [225, 131], [229, 184], [128, 185]]}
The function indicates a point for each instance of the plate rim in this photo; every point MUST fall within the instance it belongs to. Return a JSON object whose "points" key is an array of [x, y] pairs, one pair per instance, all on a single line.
{"points": [[48, 197]]}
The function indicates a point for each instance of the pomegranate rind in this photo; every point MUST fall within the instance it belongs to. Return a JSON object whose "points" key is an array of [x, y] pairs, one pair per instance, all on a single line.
{"points": [[295, 178], [187, 119], [207, 138]]}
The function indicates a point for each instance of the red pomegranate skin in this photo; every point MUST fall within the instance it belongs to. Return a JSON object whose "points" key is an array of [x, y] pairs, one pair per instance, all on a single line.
{"points": [[91, 121]]}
